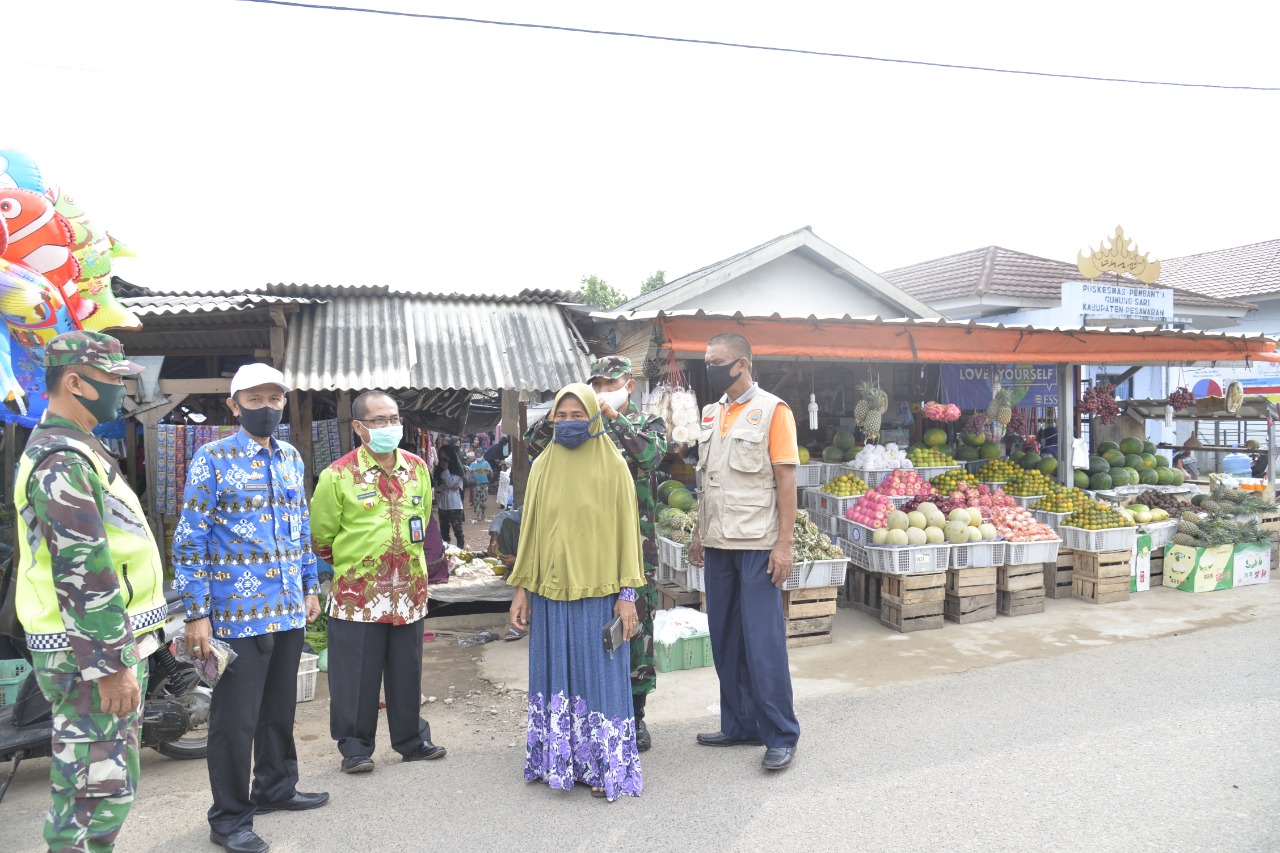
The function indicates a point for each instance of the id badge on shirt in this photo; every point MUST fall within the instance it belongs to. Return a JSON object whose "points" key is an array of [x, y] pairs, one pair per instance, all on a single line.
{"points": [[416, 533]]}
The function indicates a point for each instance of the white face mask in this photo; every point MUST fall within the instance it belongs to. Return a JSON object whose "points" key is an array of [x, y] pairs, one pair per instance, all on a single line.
{"points": [[617, 399]]}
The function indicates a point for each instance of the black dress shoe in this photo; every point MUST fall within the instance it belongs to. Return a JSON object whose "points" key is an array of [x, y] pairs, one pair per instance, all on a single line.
{"points": [[357, 764], [425, 752], [722, 739], [778, 757], [643, 741], [244, 841], [300, 802]]}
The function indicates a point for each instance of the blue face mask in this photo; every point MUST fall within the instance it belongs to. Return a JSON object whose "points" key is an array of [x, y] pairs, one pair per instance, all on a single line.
{"points": [[572, 434]]}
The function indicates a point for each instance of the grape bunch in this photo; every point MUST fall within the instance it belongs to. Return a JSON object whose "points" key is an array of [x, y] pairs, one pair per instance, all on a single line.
{"points": [[1100, 401], [1018, 423], [1182, 399]]}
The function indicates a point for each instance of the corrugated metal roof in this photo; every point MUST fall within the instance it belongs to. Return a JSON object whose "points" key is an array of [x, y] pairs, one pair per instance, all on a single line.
{"points": [[1251, 271], [152, 302], [324, 291], [372, 338], [996, 271]]}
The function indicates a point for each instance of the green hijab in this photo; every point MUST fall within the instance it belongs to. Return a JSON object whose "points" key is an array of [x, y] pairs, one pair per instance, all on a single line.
{"points": [[579, 537]]}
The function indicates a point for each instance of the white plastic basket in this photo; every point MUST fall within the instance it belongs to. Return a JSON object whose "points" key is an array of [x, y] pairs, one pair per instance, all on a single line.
{"points": [[857, 554], [811, 500], [1027, 501], [697, 578], [909, 559], [828, 524], [672, 555], [831, 470], [1023, 553], [930, 471], [1053, 519], [872, 478], [978, 555], [858, 534], [826, 504], [809, 474], [308, 672], [1112, 539], [1161, 532], [817, 573]]}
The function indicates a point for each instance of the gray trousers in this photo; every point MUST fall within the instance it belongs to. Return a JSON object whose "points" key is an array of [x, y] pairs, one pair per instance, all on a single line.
{"points": [[364, 656]]}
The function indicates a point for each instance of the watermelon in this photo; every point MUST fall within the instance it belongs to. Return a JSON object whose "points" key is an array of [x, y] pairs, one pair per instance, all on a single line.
{"points": [[832, 455], [1197, 498], [965, 453], [1104, 446], [1028, 461], [990, 450], [1148, 460], [1148, 477], [1131, 445], [1179, 477], [1098, 465], [1133, 475], [1100, 482], [1119, 477], [1164, 476], [974, 440], [1114, 458], [667, 487], [1149, 447], [1082, 478], [935, 437], [844, 439], [681, 499], [1134, 461], [1162, 461], [667, 513], [1048, 466], [851, 453]]}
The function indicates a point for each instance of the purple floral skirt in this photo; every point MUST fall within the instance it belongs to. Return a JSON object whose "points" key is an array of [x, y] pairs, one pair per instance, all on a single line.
{"points": [[582, 725]]}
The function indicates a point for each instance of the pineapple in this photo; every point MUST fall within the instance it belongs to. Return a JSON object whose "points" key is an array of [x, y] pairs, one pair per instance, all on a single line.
{"points": [[860, 411], [1184, 539], [993, 408], [1005, 414], [1188, 527], [871, 398]]}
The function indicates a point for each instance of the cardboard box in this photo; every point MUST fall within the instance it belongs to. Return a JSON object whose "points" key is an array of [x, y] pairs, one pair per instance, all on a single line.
{"points": [[1140, 565], [1251, 564], [1198, 569]]}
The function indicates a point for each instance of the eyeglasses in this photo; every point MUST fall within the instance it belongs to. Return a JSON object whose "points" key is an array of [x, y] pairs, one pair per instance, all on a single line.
{"points": [[379, 423]]}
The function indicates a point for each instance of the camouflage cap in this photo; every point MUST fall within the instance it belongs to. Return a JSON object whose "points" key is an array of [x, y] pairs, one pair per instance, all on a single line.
{"points": [[610, 367], [91, 349]]}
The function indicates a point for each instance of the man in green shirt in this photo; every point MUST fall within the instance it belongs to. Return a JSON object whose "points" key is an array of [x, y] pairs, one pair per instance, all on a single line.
{"points": [[369, 517]]}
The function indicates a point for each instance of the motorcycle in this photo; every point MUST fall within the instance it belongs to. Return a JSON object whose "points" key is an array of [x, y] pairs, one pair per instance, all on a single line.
{"points": [[175, 709]]}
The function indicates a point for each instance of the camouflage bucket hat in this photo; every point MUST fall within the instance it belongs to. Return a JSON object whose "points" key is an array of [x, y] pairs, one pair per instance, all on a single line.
{"points": [[91, 349], [611, 367]]}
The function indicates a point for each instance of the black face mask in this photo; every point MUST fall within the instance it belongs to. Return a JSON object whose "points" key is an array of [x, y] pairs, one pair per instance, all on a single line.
{"points": [[720, 378], [261, 423], [110, 397]]}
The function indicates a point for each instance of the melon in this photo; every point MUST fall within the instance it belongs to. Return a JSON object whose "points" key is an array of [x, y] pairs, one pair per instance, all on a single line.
{"points": [[803, 453], [667, 487], [897, 520], [1138, 508], [935, 519], [681, 499], [988, 531], [934, 536], [898, 538], [1104, 446], [1142, 517], [960, 515], [916, 536], [916, 519], [1100, 482], [990, 450], [844, 439], [974, 439], [935, 437], [956, 532], [1082, 479], [927, 507], [974, 534], [1131, 445], [879, 536], [1098, 465]]}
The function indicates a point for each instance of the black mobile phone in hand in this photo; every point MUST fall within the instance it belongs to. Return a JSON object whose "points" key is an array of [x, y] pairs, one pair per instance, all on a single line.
{"points": [[613, 634]]}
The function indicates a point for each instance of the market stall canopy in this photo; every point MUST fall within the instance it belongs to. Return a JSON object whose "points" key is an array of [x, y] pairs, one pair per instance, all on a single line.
{"points": [[877, 339], [1252, 409], [373, 337]]}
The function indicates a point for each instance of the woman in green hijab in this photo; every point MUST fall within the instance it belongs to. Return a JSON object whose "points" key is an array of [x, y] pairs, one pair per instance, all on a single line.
{"points": [[578, 565]]}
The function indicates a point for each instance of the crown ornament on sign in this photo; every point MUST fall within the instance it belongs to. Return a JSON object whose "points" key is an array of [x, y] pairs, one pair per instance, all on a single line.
{"points": [[1121, 256]]}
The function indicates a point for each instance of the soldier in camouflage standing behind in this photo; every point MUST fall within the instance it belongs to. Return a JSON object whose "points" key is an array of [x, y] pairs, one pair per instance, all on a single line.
{"points": [[643, 441], [90, 592]]}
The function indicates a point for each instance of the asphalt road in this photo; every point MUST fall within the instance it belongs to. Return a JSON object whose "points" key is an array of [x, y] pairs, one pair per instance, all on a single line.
{"points": [[1151, 745]]}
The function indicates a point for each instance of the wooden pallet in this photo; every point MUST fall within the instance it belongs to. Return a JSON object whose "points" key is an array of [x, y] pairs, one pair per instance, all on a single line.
{"points": [[809, 603], [1021, 602], [1106, 591], [963, 583], [969, 608], [1103, 565], [905, 618], [673, 595], [1028, 576], [809, 632], [1157, 569], [864, 590], [914, 589]]}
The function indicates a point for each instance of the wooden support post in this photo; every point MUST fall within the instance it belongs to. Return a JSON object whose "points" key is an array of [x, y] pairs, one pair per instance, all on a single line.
{"points": [[10, 460], [300, 432], [277, 337], [131, 453], [520, 457], [344, 421], [150, 418]]}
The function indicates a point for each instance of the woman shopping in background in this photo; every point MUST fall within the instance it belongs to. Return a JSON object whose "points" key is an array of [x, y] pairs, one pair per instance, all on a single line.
{"points": [[448, 478], [577, 565]]}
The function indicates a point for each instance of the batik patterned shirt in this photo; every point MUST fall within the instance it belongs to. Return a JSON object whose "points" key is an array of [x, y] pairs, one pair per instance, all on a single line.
{"points": [[371, 524], [242, 548]]}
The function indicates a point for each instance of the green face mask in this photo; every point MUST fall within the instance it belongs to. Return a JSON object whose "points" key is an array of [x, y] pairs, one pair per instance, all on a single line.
{"points": [[110, 397]]}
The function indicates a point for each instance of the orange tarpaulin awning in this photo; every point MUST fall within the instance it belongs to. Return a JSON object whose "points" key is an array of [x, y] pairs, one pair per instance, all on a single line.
{"points": [[873, 339]]}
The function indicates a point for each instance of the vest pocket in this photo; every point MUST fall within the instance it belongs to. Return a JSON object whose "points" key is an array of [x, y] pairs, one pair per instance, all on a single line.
{"points": [[746, 514], [747, 451]]}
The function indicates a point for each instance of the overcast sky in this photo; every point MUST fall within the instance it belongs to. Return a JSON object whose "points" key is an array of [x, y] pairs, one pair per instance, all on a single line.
{"points": [[234, 143]]}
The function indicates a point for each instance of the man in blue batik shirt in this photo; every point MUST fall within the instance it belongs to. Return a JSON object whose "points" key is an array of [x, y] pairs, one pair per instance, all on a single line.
{"points": [[243, 562]]}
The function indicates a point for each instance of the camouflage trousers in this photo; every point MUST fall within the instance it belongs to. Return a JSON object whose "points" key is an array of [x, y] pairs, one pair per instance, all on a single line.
{"points": [[94, 768], [644, 669]]}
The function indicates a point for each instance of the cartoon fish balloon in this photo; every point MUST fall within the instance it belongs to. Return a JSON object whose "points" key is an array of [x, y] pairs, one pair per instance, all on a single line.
{"points": [[19, 170], [94, 249], [40, 238]]}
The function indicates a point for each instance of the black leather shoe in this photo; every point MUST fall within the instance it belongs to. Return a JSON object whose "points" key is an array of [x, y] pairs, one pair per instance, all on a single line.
{"points": [[244, 841], [778, 758], [426, 752], [722, 739], [300, 802], [643, 741], [357, 764]]}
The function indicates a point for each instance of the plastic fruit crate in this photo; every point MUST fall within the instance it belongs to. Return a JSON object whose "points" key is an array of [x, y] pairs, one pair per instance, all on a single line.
{"points": [[1027, 501], [828, 524], [685, 653], [826, 504], [672, 556], [1053, 519], [857, 554], [930, 471], [858, 534], [816, 573], [308, 671], [900, 500], [1023, 553], [697, 578], [1112, 539], [13, 672], [809, 474], [831, 470], [1161, 532], [872, 478], [978, 555], [909, 558], [811, 500]]}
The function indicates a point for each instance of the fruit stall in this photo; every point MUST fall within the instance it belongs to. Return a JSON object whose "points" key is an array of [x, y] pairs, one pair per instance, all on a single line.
{"points": [[1212, 412]]}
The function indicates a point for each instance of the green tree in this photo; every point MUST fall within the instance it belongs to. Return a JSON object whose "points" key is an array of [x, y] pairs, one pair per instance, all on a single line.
{"points": [[598, 292], [653, 282]]}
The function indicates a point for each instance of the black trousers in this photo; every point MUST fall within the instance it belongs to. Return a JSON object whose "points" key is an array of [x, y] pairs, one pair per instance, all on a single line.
{"points": [[251, 729], [452, 519], [364, 656]]}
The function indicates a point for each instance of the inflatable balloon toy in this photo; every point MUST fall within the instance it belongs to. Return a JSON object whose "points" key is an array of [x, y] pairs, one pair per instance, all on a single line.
{"points": [[20, 171], [94, 249]]}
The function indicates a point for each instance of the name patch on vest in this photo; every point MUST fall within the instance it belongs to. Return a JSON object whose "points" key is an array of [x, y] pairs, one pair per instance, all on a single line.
{"points": [[754, 416]]}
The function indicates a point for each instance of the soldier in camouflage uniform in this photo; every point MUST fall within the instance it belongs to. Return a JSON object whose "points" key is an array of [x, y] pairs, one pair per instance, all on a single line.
{"points": [[643, 441], [90, 592]]}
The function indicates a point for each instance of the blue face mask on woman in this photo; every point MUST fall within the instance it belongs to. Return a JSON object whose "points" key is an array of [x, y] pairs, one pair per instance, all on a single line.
{"points": [[572, 434]]}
